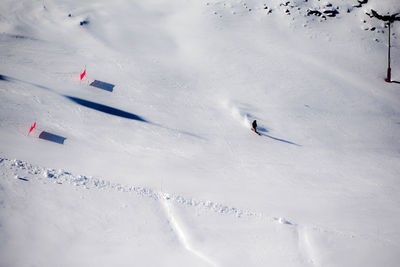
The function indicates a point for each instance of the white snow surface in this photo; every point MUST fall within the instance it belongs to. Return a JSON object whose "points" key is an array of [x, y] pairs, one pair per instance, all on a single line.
{"points": [[164, 170]]}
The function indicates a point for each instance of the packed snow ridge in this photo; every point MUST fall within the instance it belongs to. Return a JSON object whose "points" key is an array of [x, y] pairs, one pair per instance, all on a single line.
{"points": [[26, 172]]}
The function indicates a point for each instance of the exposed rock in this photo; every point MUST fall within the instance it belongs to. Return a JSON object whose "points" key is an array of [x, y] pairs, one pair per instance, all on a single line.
{"points": [[331, 13], [361, 3], [314, 12]]}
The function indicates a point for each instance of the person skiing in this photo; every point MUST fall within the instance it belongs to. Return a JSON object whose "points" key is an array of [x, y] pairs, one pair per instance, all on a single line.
{"points": [[254, 129]]}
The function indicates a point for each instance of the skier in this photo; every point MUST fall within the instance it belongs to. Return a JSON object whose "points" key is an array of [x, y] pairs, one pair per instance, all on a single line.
{"points": [[254, 129]]}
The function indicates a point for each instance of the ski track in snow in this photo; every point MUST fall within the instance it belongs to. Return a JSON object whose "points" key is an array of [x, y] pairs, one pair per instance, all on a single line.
{"points": [[182, 236], [26, 172], [306, 247]]}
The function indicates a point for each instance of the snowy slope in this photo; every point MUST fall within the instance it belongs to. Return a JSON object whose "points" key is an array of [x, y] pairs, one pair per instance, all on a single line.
{"points": [[318, 188]]}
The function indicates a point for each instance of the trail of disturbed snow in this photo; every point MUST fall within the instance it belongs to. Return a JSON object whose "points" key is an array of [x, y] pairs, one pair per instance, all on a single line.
{"points": [[25, 172]]}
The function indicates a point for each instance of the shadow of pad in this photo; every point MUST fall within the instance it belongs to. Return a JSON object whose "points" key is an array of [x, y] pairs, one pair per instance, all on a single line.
{"points": [[103, 85], [105, 109], [52, 137]]}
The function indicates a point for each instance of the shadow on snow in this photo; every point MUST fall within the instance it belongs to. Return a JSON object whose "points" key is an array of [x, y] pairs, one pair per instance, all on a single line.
{"points": [[100, 107], [122, 114], [263, 132], [10, 79], [4, 78], [105, 109], [52, 137]]}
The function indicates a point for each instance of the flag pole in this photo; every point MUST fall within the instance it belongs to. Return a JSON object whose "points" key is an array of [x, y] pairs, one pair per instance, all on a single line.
{"points": [[389, 70]]}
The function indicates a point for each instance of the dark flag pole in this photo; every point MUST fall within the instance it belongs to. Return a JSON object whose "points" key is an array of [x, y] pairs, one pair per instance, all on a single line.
{"points": [[389, 70], [389, 19]]}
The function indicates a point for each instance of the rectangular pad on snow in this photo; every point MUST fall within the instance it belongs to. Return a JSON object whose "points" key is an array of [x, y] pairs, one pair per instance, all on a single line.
{"points": [[52, 137], [103, 85]]}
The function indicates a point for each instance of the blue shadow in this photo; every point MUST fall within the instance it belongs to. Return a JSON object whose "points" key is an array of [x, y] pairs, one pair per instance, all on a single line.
{"points": [[84, 22], [280, 140], [100, 107], [11, 79], [263, 132], [52, 137], [178, 131], [18, 36], [4, 78], [105, 109], [103, 85]]}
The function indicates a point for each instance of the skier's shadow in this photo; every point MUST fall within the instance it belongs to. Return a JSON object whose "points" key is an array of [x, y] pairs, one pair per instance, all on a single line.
{"points": [[263, 132]]}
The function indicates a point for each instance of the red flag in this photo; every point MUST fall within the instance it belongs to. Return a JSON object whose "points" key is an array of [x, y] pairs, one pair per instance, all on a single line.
{"points": [[83, 74], [32, 127]]}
